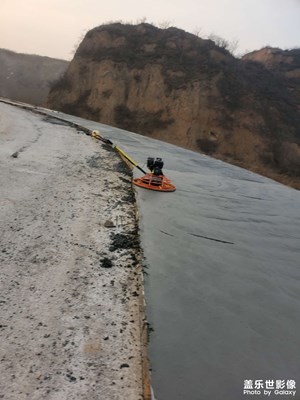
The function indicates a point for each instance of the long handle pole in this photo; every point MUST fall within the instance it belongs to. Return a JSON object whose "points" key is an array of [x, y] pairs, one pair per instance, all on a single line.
{"points": [[129, 159], [96, 135]]}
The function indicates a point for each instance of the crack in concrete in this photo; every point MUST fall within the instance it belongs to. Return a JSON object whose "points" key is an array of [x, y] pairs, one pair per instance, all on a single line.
{"points": [[209, 238]]}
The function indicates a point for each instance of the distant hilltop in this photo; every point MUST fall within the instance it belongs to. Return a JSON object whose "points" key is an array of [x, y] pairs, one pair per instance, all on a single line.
{"points": [[284, 63], [26, 77]]}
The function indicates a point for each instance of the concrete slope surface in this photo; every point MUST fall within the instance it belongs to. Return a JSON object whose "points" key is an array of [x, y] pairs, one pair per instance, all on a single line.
{"points": [[223, 276], [69, 263], [223, 286]]}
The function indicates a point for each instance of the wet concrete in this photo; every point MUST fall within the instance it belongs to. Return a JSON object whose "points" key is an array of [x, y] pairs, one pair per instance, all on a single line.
{"points": [[223, 285], [223, 278]]}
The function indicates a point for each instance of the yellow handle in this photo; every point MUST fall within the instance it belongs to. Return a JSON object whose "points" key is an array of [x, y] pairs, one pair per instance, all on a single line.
{"points": [[125, 155]]}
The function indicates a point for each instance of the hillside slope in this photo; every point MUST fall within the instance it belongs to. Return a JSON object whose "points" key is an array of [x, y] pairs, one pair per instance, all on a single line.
{"points": [[284, 63], [177, 87], [26, 77]]}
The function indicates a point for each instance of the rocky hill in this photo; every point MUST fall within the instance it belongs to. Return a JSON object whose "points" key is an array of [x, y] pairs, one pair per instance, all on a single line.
{"points": [[284, 63], [175, 86], [26, 77]]}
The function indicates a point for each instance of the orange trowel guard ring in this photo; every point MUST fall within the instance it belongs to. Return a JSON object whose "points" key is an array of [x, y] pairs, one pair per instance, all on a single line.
{"points": [[159, 183]]}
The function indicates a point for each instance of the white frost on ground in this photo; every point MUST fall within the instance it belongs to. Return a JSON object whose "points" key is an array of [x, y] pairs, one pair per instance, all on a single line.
{"points": [[69, 328]]}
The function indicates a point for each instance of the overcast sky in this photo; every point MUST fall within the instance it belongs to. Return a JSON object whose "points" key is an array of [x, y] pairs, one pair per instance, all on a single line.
{"points": [[55, 27]]}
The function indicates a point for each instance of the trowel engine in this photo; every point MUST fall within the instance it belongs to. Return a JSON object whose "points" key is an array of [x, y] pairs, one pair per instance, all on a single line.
{"points": [[155, 180], [155, 165]]}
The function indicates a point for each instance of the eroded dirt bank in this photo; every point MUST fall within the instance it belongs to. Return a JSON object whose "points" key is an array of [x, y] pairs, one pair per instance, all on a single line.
{"points": [[70, 282]]}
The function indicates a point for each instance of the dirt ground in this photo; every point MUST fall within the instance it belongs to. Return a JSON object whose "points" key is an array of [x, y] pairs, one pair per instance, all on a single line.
{"points": [[70, 282]]}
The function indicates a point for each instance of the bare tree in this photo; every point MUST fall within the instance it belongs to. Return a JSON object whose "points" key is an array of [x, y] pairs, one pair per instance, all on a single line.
{"points": [[197, 31], [164, 24], [224, 44], [219, 41], [142, 20], [233, 46], [78, 42]]}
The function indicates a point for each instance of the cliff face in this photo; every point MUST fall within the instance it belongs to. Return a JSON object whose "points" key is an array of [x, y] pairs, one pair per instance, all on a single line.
{"points": [[283, 63], [176, 87], [26, 77]]}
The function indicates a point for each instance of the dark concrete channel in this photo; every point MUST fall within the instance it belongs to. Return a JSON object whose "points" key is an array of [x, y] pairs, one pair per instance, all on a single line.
{"points": [[222, 289]]}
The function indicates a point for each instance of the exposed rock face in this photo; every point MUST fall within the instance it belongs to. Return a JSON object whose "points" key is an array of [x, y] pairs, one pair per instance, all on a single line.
{"points": [[26, 77], [281, 62], [284, 61], [171, 85]]}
